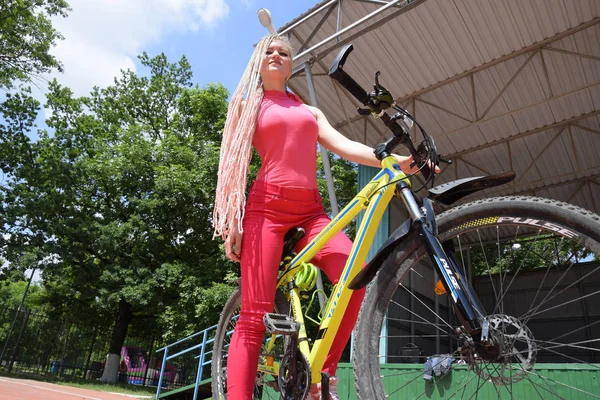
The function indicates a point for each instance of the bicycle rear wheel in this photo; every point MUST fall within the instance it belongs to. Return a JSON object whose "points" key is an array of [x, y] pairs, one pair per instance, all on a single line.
{"points": [[266, 386], [535, 266]]}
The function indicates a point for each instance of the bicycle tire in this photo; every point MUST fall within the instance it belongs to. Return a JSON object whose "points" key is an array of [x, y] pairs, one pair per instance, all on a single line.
{"points": [[222, 336], [550, 225]]}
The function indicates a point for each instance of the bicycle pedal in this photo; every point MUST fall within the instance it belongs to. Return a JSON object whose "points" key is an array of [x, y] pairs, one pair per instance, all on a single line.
{"points": [[279, 324]]}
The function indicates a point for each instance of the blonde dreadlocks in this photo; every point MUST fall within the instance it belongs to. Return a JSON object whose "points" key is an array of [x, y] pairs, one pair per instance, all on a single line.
{"points": [[236, 147]]}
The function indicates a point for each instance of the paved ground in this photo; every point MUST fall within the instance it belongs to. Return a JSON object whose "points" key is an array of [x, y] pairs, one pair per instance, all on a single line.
{"points": [[24, 389]]}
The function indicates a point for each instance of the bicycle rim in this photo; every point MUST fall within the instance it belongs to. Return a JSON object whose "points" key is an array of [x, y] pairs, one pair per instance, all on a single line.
{"points": [[266, 387], [535, 268]]}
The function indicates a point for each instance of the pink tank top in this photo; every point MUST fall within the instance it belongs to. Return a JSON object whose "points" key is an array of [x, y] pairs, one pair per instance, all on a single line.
{"points": [[286, 139]]}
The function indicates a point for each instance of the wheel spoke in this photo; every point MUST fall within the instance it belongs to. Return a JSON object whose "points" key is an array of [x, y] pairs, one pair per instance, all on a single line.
{"points": [[523, 263], [427, 307]]}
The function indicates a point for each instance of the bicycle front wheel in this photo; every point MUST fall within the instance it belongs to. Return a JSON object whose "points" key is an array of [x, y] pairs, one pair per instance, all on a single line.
{"points": [[535, 267], [266, 385]]}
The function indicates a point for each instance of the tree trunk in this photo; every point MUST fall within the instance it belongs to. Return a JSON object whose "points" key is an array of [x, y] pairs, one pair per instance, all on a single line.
{"points": [[111, 368]]}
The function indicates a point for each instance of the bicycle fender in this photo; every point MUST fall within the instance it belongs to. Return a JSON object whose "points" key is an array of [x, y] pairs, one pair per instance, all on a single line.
{"points": [[367, 274], [449, 192]]}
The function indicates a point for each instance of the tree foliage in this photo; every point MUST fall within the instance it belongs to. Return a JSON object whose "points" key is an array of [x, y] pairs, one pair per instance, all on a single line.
{"points": [[117, 196], [27, 38], [527, 254]]}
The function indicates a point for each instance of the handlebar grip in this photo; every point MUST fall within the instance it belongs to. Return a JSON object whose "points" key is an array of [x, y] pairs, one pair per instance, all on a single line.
{"points": [[350, 85], [336, 72]]}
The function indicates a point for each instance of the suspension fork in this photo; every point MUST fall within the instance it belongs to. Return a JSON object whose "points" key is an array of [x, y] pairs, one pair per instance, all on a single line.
{"points": [[464, 301]]}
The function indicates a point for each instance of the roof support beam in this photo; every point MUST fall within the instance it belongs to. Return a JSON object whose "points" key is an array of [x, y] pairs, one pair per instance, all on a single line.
{"points": [[590, 175], [508, 113], [516, 110], [585, 128], [527, 133], [473, 97], [444, 110], [572, 53], [577, 191], [378, 2], [316, 29], [535, 160], [306, 17], [499, 60], [473, 165], [515, 75], [546, 74], [576, 155], [406, 6]]}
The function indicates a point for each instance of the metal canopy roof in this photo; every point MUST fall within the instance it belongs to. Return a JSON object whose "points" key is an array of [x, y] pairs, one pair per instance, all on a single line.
{"points": [[500, 84]]}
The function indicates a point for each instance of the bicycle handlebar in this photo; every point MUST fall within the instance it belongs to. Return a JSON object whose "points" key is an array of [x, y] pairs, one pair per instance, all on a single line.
{"points": [[401, 135], [336, 72]]}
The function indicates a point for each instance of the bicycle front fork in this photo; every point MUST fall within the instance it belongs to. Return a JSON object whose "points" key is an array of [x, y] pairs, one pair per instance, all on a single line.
{"points": [[464, 300]]}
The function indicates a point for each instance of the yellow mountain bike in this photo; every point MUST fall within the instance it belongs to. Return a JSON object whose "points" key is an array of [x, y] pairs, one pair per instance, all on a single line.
{"points": [[535, 261]]}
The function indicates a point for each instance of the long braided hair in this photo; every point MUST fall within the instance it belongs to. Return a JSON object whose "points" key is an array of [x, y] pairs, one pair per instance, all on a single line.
{"points": [[236, 147]]}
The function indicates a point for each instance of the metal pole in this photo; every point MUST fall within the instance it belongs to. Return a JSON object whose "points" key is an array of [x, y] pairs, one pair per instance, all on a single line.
{"points": [[162, 370], [12, 326], [326, 167], [89, 357], [339, 19], [306, 17], [200, 365], [405, 7], [411, 282], [436, 304], [14, 354], [148, 362]]}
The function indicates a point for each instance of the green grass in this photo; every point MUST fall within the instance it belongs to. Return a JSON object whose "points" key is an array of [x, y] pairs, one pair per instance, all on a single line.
{"points": [[85, 384]]}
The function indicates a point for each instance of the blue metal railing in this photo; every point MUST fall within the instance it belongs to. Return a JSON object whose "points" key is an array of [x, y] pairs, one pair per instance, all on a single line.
{"points": [[202, 362]]}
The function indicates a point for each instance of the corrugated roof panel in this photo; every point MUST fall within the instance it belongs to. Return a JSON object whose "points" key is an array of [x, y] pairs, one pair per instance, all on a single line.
{"points": [[485, 28], [427, 52], [400, 63], [504, 76], [455, 97], [445, 36], [442, 120], [578, 103], [532, 118], [469, 137], [494, 158], [487, 88], [587, 144], [529, 86], [559, 150], [567, 72]]}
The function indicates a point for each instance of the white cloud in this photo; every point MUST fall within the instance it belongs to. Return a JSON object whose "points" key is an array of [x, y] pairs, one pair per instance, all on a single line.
{"points": [[104, 36]]}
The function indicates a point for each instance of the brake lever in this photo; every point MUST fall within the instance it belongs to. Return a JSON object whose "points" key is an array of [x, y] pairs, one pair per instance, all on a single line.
{"points": [[380, 97]]}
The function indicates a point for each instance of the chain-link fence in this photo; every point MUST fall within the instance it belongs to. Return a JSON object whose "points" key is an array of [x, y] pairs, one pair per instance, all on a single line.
{"points": [[35, 344]]}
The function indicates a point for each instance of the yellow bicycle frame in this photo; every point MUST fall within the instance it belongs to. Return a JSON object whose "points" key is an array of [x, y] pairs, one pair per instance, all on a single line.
{"points": [[374, 197]]}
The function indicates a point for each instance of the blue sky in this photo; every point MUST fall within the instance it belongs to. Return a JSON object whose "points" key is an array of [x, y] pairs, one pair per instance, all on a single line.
{"points": [[104, 36]]}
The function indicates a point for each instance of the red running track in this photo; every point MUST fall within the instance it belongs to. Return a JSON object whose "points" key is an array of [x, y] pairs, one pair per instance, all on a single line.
{"points": [[25, 389]]}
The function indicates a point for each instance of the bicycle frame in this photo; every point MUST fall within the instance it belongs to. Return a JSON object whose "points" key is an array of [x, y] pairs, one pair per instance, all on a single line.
{"points": [[373, 198]]}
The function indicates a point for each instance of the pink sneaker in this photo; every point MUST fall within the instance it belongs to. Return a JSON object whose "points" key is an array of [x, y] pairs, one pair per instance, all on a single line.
{"points": [[315, 390]]}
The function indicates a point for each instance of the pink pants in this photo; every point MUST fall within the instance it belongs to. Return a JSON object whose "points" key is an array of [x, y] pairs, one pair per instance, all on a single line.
{"points": [[271, 211]]}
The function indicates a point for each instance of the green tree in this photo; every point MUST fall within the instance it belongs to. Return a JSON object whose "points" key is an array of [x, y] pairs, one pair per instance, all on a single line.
{"points": [[27, 37], [119, 196], [345, 183], [527, 254]]}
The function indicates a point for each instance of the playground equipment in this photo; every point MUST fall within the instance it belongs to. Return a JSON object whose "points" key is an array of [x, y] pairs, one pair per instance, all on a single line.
{"points": [[138, 367]]}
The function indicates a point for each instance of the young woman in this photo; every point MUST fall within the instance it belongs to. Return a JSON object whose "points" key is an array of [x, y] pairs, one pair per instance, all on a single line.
{"points": [[285, 134]]}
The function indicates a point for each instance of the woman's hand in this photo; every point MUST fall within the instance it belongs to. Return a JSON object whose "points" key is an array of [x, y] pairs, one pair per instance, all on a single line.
{"points": [[405, 162], [233, 245]]}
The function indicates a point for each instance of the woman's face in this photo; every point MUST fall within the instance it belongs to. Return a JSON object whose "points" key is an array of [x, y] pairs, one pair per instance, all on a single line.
{"points": [[277, 63]]}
